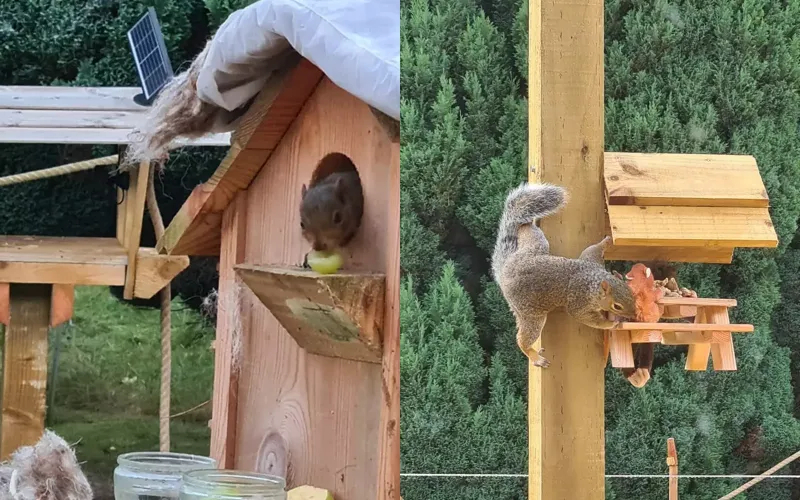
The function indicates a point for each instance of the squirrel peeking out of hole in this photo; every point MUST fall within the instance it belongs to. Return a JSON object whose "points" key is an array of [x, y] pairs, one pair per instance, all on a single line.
{"points": [[332, 205]]}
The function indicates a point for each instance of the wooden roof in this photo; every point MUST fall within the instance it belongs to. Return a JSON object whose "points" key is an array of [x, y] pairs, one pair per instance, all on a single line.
{"points": [[77, 115], [196, 228]]}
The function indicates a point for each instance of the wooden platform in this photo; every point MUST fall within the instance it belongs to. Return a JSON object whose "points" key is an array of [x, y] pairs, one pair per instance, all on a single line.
{"points": [[77, 115], [84, 261]]}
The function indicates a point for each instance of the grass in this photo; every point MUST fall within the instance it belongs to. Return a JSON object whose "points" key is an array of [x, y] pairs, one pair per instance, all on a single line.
{"points": [[107, 382]]}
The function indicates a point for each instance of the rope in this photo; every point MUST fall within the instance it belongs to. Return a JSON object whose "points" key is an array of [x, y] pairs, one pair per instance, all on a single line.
{"points": [[761, 477], [166, 333], [69, 168]]}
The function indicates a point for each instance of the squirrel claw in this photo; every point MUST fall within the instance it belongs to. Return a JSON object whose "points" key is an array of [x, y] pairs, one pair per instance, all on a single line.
{"points": [[541, 361]]}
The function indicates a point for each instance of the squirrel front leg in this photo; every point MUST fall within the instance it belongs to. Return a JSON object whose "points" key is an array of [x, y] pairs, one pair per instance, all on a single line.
{"points": [[595, 252], [528, 332]]}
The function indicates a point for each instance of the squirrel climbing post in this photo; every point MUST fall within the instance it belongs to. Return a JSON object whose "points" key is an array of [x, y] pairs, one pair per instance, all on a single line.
{"points": [[565, 147]]}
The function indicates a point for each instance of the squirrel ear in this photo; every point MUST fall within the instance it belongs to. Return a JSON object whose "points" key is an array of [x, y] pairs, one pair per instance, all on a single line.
{"points": [[339, 189], [605, 286], [303, 192], [617, 275]]}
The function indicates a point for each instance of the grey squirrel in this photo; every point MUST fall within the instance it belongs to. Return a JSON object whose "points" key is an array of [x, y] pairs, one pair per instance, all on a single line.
{"points": [[534, 282], [331, 206]]}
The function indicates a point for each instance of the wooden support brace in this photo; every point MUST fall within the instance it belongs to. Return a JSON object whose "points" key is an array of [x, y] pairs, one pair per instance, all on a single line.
{"points": [[134, 213], [62, 304], [722, 354], [621, 349], [25, 367], [697, 357]]}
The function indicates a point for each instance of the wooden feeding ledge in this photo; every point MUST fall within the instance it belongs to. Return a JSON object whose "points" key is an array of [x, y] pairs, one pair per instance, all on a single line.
{"points": [[711, 333], [337, 315], [685, 207]]}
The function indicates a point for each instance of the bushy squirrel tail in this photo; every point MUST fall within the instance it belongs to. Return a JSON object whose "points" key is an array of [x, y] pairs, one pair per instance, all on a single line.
{"points": [[524, 205]]}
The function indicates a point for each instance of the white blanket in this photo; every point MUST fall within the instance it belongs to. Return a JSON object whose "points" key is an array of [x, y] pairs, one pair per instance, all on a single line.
{"points": [[356, 43]]}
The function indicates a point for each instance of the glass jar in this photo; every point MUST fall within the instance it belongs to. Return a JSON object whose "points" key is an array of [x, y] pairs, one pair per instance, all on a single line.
{"points": [[154, 475], [231, 485]]}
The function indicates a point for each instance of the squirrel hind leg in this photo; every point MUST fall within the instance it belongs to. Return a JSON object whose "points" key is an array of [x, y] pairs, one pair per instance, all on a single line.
{"points": [[527, 334]]}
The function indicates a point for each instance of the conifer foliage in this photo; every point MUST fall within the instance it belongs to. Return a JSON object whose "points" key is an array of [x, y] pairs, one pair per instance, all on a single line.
{"points": [[690, 76]]}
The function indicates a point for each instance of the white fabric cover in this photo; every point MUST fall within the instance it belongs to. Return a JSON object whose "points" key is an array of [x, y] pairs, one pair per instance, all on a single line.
{"points": [[356, 43]]}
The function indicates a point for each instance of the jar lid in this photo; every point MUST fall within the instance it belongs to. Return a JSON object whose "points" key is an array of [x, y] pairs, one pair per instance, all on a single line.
{"points": [[234, 482], [156, 461]]}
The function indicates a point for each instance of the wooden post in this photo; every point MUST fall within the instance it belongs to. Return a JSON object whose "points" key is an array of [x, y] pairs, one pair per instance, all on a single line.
{"points": [[25, 367], [672, 463], [566, 417], [229, 319]]}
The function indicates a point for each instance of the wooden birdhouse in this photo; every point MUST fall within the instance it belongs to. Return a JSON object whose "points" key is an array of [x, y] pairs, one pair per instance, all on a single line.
{"points": [[684, 208], [306, 364]]}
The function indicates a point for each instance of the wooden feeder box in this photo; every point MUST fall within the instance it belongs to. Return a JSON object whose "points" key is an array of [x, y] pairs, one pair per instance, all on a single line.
{"points": [[684, 208], [338, 315]]}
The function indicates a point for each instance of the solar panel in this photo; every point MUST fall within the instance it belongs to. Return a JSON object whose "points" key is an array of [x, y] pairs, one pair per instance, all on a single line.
{"points": [[150, 54]]}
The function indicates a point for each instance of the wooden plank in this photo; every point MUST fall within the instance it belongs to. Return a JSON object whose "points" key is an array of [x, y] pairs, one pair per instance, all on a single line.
{"points": [[672, 463], [565, 147], [195, 229], [700, 301], [697, 356], [62, 304], [70, 98], [32, 119], [681, 327], [230, 318], [621, 350], [722, 353], [665, 179], [389, 430], [704, 255], [134, 214], [5, 303], [692, 226], [50, 135], [318, 417], [64, 274], [53, 249], [155, 271], [25, 368]]}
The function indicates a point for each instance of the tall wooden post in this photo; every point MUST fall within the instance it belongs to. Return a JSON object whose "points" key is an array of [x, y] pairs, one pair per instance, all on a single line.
{"points": [[566, 418]]}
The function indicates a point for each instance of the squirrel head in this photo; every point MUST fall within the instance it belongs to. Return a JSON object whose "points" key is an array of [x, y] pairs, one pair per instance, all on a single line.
{"points": [[617, 297], [323, 215]]}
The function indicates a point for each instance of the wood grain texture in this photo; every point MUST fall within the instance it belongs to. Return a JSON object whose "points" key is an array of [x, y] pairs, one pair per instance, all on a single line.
{"points": [[18, 118], [195, 229], [389, 431], [697, 355], [62, 304], [54, 249], [692, 226], [621, 350], [5, 303], [722, 352], [565, 112], [25, 368], [134, 213], [682, 327], [704, 255], [231, 315], [316, 417], [694, 180], [672, 464], [54, 135], [338, 315], [65, 274], [155, 271], [700, 301]]}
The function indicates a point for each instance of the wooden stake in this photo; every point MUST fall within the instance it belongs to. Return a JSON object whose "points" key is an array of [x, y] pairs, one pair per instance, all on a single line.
{"points": [[25, 367], [672, 463], [566, 422]]}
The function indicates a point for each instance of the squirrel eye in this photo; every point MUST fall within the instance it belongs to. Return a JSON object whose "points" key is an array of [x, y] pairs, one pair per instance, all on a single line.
{"points": [[302, 225], [337, 218]]}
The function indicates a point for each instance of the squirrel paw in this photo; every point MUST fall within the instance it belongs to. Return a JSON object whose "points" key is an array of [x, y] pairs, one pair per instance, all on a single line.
{"points": [[540, 361]]}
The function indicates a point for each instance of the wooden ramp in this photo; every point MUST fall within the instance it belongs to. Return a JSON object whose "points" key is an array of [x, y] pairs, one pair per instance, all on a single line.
{"points": [[77, 115]]}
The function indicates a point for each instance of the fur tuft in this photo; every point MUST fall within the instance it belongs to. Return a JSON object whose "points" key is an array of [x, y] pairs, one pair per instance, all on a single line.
{"points": [[525, 204]]}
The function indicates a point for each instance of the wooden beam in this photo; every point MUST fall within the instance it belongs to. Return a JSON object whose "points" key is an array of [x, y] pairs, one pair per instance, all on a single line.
{"points": [[25, 368], [692, 226], [195, 229], [55, 119], [51, 135], [565, 113], [64, 274], [672, 463], [683, 327], [705, 255], [230, 318], [70, 98], [134, 213], [155, 271], [62, 304], [59, 250], [660, 179]]}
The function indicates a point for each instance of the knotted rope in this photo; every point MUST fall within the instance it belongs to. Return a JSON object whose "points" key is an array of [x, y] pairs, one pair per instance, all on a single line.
{"points": [[69, 168], [166, 333]]}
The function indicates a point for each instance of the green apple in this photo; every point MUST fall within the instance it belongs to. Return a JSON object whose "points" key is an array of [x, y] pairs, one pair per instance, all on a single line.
{"points": [[324, 262]]}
